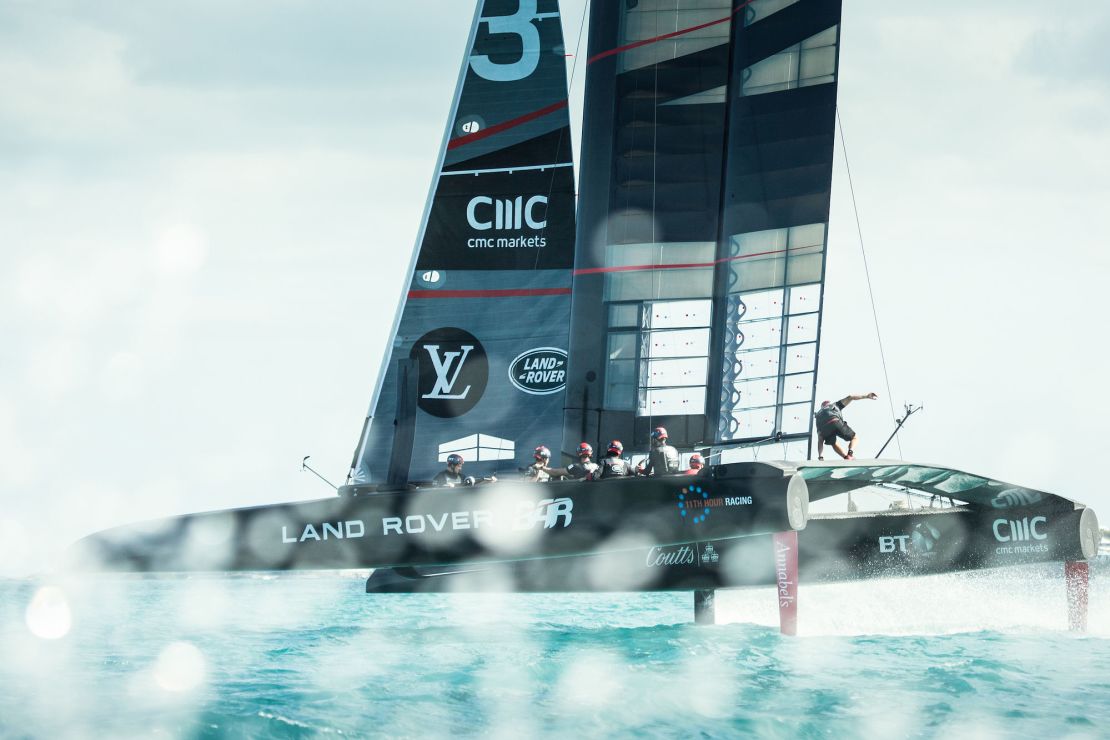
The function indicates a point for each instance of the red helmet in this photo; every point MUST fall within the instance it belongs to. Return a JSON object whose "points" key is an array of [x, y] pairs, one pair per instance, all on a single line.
{"points": [[825, 403], [542, 454], [659, 433], [584, 450], [696, 461], [616, 447], [454, 459]]}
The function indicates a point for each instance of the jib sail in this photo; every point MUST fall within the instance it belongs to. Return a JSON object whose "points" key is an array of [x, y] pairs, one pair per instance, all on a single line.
{"points": [[478, 360], [704, 199]]}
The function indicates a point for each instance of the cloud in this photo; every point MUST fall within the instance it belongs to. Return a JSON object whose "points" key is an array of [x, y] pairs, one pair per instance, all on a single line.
{"points": [[1072, 54]]}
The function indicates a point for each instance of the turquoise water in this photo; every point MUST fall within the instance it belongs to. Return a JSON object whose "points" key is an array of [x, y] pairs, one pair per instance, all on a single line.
{"points": [[296, 656]]}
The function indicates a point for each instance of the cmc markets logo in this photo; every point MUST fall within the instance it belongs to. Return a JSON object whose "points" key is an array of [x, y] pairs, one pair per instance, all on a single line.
{"points": [[454, 371], [1019, 530], [484, 213], [539, 371], [695, 503]]}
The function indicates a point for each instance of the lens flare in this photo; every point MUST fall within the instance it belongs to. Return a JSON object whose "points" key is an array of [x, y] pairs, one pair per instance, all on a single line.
{"points": [[48, 615]]}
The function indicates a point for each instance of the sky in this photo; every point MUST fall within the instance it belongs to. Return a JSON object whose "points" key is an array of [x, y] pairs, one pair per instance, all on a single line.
{"points": [[207, 211]]}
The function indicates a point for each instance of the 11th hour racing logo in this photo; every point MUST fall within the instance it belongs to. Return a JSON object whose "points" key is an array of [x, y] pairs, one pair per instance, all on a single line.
{"points": [[484, 213], [453, 371], [696, 503]]}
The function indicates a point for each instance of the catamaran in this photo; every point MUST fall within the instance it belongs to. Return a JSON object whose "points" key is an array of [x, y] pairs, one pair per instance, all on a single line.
{"points": [[683, 287]]}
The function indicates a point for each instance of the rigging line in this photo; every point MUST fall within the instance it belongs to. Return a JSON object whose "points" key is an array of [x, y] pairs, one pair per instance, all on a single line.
{"points": [[867, 274], [559, 146]]}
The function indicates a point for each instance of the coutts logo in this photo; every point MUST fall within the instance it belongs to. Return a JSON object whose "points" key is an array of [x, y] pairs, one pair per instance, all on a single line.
{"points": [[453, 371], [539, 371]]}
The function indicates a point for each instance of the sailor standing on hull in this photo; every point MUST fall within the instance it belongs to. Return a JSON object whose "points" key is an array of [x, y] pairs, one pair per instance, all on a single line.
{"points": [[663, 458], [830, 425], [584, 468], [613, 465]]}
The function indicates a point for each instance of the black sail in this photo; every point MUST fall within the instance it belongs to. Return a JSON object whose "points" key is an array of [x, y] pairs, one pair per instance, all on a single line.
{"points": [[704, 201], [482, 330]]}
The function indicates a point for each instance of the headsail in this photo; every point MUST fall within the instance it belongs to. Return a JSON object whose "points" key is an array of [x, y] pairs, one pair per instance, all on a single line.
{"points": [[483, 327], [706, 170]]}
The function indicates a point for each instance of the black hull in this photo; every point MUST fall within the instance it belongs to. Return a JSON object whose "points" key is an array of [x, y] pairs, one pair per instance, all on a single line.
{"points": [[832, 548], [366, 527]]}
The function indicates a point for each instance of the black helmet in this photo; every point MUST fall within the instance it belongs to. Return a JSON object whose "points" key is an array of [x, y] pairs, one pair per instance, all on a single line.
{"points": [[616, 447], [542, 454], [454, 459], [584, 449]]}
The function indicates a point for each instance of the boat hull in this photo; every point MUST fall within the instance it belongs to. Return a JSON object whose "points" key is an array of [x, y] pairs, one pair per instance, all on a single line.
{"points": [[367, 527], [832, 548]]}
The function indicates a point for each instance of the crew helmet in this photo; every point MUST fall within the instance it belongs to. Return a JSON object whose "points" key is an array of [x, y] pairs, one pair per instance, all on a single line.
{"points": [[454, 459], [615, 447], [696, 461], [659, 434], [542, 454], [585, 450], [826, 404]]}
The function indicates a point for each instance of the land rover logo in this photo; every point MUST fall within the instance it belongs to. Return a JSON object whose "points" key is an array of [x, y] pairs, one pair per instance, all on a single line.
{"points": [[453, 372], [539, 371]]}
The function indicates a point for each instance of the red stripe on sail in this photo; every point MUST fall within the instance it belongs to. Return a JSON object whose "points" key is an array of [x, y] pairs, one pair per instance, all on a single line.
{"points": [[497, 293], [664, 37], [512, 123], [682, 265]]}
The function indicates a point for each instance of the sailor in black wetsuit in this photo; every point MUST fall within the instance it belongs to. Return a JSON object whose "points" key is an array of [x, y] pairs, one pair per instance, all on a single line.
{"points": [[452, 476], [538, 471], [613, 465], [830, 425], [584, 468], [663, 458]]}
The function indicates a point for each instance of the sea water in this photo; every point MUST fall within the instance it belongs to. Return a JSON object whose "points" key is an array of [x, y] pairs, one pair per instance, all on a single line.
{"points": [[970, 655]]}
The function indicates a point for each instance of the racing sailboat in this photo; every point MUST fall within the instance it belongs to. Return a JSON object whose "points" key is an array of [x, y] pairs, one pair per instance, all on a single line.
{"points": [[687, 292], [477, 367], [697, 298]]}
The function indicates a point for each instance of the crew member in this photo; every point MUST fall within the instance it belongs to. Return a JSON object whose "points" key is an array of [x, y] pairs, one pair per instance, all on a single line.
{"points": [[613, 465], [663, 458], [538, 471], [696, 464], [584, 468], [830, 425], [452, 476]]}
